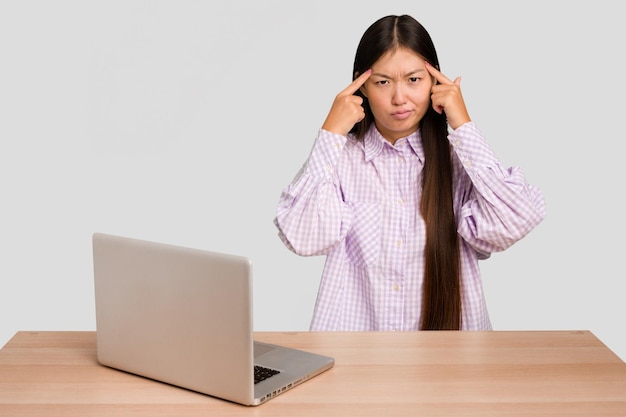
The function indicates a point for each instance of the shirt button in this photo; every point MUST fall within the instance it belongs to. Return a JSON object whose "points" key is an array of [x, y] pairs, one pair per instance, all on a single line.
{"points": [[398, 243], [400, 201], [396, 287]]}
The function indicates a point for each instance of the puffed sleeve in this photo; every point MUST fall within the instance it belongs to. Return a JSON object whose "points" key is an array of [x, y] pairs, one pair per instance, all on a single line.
{"points": [[311, 216], [495, 206]]}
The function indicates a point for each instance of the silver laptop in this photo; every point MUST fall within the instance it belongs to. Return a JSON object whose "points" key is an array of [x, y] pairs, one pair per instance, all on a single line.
{"points": [[184, 316]]}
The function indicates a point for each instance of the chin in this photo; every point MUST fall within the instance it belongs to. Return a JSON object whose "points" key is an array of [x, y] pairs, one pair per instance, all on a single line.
{"points": [[405, 129]]}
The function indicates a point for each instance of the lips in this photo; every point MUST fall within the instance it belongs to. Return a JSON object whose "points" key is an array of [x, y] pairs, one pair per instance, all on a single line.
{"points": [[401, 114]]}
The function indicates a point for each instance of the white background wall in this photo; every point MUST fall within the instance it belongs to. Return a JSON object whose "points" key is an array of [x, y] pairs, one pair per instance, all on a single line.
{"points": [[181, 121]]}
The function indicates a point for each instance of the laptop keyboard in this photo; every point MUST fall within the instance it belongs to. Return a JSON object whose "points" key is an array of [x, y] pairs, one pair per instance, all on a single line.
{"points": [[261, 373]]}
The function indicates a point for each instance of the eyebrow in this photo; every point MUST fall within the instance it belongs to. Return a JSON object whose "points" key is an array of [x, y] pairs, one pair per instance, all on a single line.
{"points": [[408, 74]]}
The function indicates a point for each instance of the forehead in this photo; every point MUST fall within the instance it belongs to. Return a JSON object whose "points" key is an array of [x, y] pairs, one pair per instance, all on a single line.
{"points": [[399, 59]]}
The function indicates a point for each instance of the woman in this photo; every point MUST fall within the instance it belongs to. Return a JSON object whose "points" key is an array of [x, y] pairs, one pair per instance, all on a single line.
{"points": [[403, 195]]}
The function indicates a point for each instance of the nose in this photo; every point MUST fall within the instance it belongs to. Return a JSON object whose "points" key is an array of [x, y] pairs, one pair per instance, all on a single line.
{"points": [[399, 97]]}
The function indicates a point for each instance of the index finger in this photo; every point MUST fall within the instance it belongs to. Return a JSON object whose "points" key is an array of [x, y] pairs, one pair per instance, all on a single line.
{"points": [[357, 83], [437, 74]]}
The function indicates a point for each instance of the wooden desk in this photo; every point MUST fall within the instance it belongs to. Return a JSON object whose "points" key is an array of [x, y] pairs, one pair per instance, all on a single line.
{"points": [[550, 373]]}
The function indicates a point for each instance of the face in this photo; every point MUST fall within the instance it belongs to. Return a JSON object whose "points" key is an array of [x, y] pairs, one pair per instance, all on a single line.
{"points": [[398, 92]]}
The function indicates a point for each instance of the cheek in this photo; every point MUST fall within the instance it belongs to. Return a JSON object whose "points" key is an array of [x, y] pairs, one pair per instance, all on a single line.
{"points": [[421, 97], [422, 94], [376, 103]]}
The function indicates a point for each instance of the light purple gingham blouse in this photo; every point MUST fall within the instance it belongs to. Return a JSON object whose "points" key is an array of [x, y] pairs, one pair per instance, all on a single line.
{"points": [[357, 202]]}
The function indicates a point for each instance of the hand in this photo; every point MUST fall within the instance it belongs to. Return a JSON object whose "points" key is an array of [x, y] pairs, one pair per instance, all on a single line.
{"points": [[446, 97], [346, 110]]}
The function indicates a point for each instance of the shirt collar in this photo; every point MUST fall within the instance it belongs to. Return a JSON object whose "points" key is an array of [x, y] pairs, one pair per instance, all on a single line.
{"points": [[374, 142]]}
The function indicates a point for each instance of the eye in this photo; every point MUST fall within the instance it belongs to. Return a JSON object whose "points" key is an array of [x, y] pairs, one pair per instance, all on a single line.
{"points": [[382, 82], [413, 79]]}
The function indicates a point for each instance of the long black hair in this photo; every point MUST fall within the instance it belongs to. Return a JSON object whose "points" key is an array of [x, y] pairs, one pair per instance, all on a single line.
{"points": [[441, 305]]}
